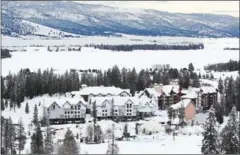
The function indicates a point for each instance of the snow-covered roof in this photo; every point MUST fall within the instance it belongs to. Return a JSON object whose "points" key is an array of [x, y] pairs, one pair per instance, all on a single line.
{"points": [[145, 109], [190, 94], [208, 89], [117, 100], [183, 103], [167, 89], [153, 92], [100, 90], [61, 101]]}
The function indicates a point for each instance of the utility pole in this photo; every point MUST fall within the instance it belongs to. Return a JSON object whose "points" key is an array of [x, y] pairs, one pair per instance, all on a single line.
{"points": [[94, 120]]}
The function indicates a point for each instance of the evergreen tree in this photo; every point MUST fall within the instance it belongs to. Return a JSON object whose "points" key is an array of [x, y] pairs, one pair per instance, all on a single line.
{"points": [[165, 79], [11, 136], [220, 86], [196, 82], [2, 105], [219, 113], [6, 103], [6, 135], [229, 135], [230, 94], [132, 79], [27, 108], [37, 141], [112, 149], [21, 136], [48, 142], [35, 116], [105, 79], [69, 146], [116, 76], [209, 142], [190, 67], [125, 83]]}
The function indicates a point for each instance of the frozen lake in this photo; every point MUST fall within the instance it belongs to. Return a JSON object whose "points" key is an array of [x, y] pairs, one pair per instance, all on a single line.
{"points": [[100, 59]]}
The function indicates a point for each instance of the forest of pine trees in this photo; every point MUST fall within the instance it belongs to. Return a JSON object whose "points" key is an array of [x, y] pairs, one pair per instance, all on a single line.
{"points": [[5, 53], [228, 66], [146, 47], [13, 138], [15, 87], [227, 141]]}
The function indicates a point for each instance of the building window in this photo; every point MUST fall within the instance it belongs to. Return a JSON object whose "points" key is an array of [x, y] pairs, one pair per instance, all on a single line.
{"points": [[103, 114], [72, 107], [53, 106], [68, 112], [75, 107], [65, 116], [103, 111], [78, 107], [115, 110], [79, 112], [65, 112], [71, 112], [78, 116]]}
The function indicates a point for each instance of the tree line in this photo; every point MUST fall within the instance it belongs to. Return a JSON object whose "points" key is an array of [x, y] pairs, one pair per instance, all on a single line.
{"points": [[146, 47], [15, 87], [5, 53], [228, 66]]}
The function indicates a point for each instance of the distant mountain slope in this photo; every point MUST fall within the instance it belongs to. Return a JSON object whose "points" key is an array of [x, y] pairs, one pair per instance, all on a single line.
{"points": [[88, 19]]}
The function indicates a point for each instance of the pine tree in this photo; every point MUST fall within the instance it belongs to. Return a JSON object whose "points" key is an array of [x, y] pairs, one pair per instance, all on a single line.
{"points": [[220, 86], [116, 76], [2, 105], [112, 149], [229, 135], [37, 141], [69, 146], [196, 82], [35, 116], [209, 142], [219, 113], [21, 136], [48, 142], [27, 108], [11, 136], [190, 67], [6, 103], [6, 135]]}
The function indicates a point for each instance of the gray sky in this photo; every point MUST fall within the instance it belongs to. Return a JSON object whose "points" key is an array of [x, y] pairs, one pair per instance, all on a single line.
{"points": [[215, 7]]}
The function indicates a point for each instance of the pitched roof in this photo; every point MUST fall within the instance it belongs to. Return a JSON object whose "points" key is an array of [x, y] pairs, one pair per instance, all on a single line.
{"points": [[62, 100], [183, 103], [117, 100], [206, 89], [100, 90]]}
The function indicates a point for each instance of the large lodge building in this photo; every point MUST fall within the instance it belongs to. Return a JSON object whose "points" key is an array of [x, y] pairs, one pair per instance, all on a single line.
{"points": [[112, 102]]}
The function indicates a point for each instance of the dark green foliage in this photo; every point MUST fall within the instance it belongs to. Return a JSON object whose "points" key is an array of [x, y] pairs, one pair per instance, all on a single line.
{"points": [[146, 47], [5, 53], [230, 138], [35, 116], [69, 146], [229, 66], [209, 142], [37, 141], [27, 108]]}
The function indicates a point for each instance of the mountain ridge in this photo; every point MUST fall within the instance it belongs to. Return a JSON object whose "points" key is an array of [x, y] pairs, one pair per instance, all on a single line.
{"points": [[89, 19]]}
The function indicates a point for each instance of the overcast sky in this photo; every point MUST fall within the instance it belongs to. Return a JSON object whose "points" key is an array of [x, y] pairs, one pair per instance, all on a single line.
{"points": [[216, 7]]}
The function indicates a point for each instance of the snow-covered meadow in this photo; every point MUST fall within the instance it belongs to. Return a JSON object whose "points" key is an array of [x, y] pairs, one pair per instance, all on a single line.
{"points": [[38, 57]]}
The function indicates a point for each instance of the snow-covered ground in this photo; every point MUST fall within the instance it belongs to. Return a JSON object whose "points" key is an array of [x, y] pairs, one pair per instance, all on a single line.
{"points": [[157, 142], [38, 57]]}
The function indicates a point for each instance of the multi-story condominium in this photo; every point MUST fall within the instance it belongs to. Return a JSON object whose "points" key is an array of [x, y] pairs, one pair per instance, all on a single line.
{"points": [[163, 95], [206, 96], [66, 110], [121, 108]]}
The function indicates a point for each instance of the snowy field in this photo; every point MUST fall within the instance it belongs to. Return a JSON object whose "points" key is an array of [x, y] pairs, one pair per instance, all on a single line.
{"points": [[158, 142], [38, 57]]}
